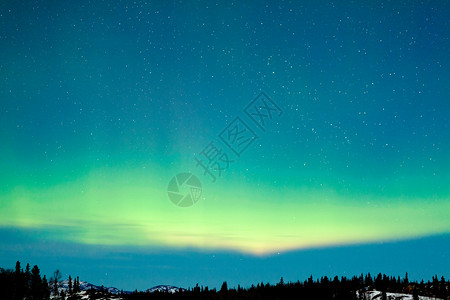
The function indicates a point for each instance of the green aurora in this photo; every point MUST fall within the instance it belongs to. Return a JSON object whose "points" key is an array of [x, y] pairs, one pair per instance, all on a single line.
{"points": [[102, 104]]}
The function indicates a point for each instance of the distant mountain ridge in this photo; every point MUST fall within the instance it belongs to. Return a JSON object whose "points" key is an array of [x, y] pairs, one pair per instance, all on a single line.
{"points": [[85, 286], [165, 289]]}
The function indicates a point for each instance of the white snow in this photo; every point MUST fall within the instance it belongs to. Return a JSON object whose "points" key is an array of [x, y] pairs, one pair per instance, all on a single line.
{"points": [[376, 295]]}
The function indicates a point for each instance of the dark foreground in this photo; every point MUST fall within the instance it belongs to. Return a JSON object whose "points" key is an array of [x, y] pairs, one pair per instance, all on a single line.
{"points": [[28, 284]]}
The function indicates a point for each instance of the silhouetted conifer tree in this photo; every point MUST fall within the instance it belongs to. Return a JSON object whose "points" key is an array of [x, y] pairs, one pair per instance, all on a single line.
{"points": [[70, 285], [19, 288], [224, 287], [46, 289], [36, 288]]}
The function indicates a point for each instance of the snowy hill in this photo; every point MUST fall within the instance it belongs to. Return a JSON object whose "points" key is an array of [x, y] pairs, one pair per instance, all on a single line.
{"points": [[376, 295], [85, 286], [165, 289]]}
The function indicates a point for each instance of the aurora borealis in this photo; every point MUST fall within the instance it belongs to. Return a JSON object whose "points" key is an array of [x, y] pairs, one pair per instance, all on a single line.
{"points": [[103, 102]]}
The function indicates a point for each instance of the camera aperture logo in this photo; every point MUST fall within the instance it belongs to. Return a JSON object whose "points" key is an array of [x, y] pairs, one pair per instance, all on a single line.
{"points": [[185, 189]]}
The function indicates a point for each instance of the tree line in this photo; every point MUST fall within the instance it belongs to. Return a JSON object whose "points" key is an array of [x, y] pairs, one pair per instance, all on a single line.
{"points": [[23, 284], [323, 288], [20, 284]]}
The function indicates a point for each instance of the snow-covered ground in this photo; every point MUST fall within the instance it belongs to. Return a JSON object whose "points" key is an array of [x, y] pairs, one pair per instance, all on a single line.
{"points": [[376, 295], [84, 286], [165, 288], [85, 296]]}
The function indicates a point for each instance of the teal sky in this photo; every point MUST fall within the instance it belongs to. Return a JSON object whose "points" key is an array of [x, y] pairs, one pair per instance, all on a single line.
{"points": [[102, 103]]}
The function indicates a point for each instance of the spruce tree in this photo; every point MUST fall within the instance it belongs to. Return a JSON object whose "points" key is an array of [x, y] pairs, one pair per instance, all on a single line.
{"points": [[415, 294], [27, 280], [224, 287], [368, 280], [18, 284], [45, 289], [36, 290], [18, 270], [442, 288], [70, 285], [77, 285]]}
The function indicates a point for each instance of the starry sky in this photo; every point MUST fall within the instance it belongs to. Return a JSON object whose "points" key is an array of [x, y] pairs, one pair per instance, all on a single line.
{"points": [[102, 103]]}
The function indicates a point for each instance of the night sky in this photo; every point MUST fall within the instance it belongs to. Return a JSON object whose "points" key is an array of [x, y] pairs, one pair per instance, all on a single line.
{"points": [[319, 132]]}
